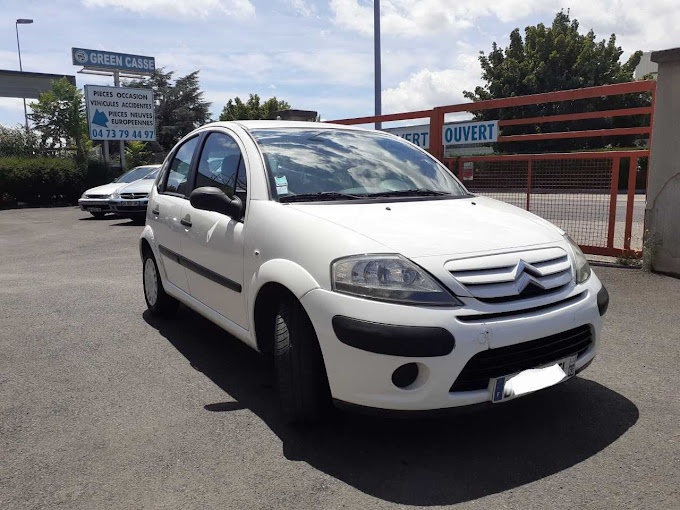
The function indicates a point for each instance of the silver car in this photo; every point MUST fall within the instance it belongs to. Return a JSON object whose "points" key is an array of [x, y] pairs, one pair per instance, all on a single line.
{"points": [[131, 200], [96, 200]]}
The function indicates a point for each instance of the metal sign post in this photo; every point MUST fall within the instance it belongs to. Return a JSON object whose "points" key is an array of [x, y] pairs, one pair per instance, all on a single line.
{"points": [[121, 147]]}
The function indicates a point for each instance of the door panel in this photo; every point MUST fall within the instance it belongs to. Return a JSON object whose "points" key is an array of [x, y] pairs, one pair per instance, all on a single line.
{"points": [[212, 245], [165, 209], [212, 249], [168, 234]]}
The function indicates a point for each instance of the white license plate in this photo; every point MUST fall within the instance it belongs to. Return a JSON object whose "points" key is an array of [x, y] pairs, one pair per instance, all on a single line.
{"points": [[515, 385], [94, 209], [131, 202]]}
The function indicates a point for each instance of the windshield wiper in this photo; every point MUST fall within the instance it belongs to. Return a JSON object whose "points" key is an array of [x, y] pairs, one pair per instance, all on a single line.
{"points": [[424, 192], [317, 197]]}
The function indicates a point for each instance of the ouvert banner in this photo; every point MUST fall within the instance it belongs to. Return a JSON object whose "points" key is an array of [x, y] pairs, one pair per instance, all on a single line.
{"points": [[454, 133]]}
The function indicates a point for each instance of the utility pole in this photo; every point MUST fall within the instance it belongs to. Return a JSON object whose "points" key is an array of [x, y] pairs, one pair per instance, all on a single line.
{"points": [[376, 60], [22, 21], [116, 83]]}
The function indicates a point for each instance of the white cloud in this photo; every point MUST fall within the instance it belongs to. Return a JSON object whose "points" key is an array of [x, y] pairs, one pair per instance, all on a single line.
{"points": [[649, 25], [12, 112], [214, 66], [188, 8], [426, 89], [43, 62], [302, 7], [328, 66], [638, 25], [14, 104], [409, 19]]}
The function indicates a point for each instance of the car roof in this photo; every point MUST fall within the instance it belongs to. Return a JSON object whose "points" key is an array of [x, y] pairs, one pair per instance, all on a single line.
{"points": [[283, 124]]}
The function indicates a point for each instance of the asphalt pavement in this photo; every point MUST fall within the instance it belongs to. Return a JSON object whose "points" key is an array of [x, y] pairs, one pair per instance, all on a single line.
{"points": [[103, 406]]}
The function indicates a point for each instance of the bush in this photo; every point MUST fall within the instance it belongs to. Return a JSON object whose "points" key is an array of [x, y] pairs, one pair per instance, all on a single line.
{"points": [[48, 181]]}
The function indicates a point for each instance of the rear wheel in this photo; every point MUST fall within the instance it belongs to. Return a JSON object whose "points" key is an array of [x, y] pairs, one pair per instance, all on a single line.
{"points": [[157, 301], [300, 372]]}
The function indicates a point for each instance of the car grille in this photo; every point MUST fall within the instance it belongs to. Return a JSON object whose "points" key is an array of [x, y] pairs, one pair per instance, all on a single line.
{"points": [[133, 196], [96, 196], [515, 276], [515, 358]]}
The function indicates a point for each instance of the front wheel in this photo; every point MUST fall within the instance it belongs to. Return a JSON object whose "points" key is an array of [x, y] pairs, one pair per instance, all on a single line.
{"points": [[300, 372], [157, 301]]}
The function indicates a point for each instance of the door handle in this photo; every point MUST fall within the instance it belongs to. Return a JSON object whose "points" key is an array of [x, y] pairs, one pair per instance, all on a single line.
{"points": [[186, 222], [155, 211]]}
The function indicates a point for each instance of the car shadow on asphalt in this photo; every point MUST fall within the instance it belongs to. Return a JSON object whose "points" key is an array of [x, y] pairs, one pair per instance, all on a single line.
{"points": [[458, 457]]}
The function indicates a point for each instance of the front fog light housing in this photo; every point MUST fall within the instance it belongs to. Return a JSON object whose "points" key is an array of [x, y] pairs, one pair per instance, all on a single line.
{"points": [[580, 263], [388, 278]]}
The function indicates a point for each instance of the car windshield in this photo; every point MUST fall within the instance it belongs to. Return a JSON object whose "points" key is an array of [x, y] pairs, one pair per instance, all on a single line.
{"points": [[135, 174], [152, 175], [333, 164]]}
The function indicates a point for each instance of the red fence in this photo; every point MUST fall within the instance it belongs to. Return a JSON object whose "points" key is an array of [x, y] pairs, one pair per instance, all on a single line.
{"points": [[576, 191]]}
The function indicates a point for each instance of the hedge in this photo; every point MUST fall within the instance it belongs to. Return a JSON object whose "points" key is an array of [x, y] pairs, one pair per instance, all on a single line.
{"points": [[48, 181]]}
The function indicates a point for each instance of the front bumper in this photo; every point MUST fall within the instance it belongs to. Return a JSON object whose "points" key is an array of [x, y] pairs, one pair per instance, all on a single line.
{"points": [[129, 207], [361, 377], [92, 204]]}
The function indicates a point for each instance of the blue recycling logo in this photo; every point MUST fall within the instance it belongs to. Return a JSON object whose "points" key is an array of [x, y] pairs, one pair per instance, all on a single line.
{"points": [[100, 119]]}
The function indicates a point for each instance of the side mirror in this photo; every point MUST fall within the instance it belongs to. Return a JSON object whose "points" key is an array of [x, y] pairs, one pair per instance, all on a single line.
{"points": [[208, 198]]}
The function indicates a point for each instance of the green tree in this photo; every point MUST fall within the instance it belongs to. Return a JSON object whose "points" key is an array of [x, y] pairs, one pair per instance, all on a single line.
{"points": [[179, 107], [16, 141], [253, 109], [554, 58], [136, 154], [59, 117]]}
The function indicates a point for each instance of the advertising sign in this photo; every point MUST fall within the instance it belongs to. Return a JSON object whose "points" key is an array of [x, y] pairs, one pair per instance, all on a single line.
{"points": [[453, 133], [468, 171], [108, 60], [120, 113]]}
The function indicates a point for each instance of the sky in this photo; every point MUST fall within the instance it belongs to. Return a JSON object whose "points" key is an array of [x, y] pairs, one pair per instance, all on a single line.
{"points": [[317, 55]]}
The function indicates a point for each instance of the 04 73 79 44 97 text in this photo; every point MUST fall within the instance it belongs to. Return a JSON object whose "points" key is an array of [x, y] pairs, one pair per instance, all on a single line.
{"points": [[134, 134]]}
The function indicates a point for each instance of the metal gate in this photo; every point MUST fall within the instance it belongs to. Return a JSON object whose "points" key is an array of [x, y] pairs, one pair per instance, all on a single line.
{"points": [[577, 191]]}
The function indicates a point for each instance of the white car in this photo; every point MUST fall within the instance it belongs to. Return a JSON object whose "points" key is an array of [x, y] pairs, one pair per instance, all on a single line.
{"points": [[130, 200], [368, 272], [96, 200]]}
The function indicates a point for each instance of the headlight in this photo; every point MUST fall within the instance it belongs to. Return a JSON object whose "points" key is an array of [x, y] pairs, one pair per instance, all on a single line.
{"points": [[114, 195], [388, 278], [84, 195], [581, 266]]}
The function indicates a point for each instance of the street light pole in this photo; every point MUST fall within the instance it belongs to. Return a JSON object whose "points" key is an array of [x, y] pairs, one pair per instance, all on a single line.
{"points": [[376, 60], [22, 21]]}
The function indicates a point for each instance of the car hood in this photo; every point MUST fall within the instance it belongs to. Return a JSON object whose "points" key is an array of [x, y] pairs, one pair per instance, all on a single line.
{"points": [[439, 227], [140, 186], [104, 189]]}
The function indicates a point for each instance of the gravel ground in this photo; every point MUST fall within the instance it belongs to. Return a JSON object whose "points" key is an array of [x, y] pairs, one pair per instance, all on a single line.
{"points": [[103, 406]]}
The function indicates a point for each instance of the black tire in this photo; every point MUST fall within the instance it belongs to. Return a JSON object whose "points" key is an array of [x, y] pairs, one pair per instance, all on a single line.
{"points": [[98, 215], [158, 303], [298, 364]]}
